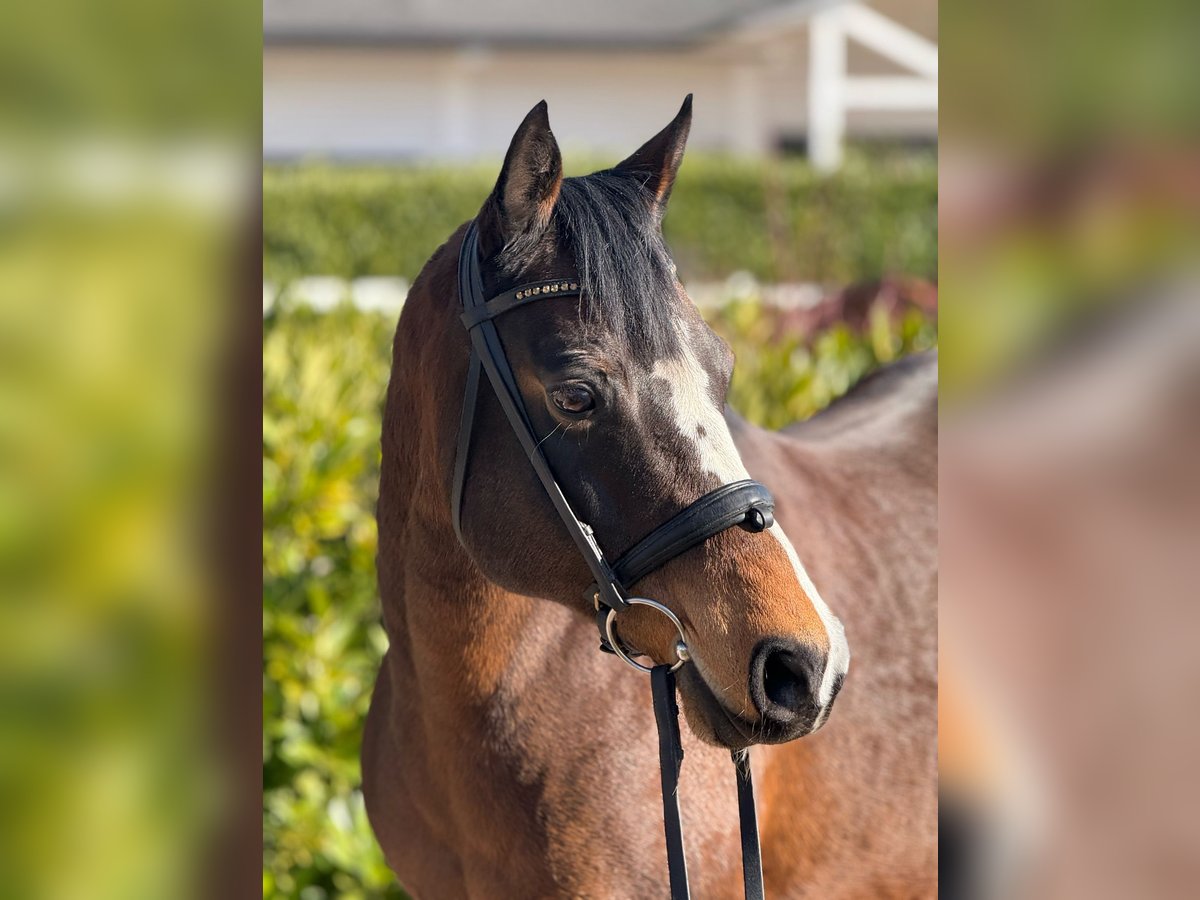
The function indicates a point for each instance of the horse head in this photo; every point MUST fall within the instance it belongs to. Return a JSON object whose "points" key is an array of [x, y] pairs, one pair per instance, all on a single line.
{"points": [[625, 387]]}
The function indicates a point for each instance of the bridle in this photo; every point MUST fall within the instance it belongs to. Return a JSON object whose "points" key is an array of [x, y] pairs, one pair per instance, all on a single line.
{"points": [[742, 503]]}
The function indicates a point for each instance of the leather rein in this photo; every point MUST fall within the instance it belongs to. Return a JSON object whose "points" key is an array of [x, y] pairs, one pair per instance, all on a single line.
{"points": [[746, 504]]}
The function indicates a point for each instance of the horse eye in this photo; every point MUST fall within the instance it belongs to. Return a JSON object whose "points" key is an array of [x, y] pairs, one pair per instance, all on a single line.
{"points": [[573, 399]]}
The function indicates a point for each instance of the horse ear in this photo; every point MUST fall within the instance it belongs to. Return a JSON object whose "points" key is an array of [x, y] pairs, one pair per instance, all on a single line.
{"points": [[528, 186], [657, 162]]}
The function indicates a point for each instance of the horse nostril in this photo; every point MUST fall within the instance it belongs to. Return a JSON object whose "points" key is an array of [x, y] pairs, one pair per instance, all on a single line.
{"points": [[784, 677], [784, 680]]}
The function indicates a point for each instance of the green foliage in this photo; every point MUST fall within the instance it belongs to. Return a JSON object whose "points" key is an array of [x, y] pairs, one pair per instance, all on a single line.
{"points": [[778, 220], [324, 378], [323, 383], [782, 376]]}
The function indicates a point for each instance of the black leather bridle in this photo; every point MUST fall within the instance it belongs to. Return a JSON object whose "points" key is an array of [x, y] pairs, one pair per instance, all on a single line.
{"points": [[743, 503]]}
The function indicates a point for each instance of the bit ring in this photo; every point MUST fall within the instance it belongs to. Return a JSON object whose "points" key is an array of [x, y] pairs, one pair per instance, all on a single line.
{"points": [[610, 631]]}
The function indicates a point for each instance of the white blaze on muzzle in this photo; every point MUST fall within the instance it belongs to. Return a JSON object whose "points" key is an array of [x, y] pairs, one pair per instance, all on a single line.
{"points": [[703, 424]]}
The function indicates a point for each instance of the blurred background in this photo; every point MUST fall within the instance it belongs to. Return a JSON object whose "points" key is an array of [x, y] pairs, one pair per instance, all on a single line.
{"points": [[804, 222], [128, 168], [380, 79], [1070, 450]]}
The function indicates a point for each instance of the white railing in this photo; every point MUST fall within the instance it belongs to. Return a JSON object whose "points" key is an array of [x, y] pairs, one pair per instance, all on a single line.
{"points": [[832, 92], [326, 292]]}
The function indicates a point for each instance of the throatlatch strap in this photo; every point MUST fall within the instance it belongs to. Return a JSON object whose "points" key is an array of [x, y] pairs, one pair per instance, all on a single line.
{"points": [[670, 759]]}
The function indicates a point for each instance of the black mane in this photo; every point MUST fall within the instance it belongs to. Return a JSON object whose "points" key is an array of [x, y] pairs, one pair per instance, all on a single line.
{"points": [[604, 221]]}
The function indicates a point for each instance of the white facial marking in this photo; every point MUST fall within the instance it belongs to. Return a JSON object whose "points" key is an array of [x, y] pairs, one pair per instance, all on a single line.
{"points": [[838, 661], [695, 412], [697, 417]]}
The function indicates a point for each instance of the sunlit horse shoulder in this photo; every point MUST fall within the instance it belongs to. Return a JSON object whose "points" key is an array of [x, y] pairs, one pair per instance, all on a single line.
{"points": [[503, 755]]}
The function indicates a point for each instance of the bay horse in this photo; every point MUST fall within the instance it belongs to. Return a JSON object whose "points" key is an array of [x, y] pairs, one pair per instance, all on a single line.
{"points": [[502, 755]]}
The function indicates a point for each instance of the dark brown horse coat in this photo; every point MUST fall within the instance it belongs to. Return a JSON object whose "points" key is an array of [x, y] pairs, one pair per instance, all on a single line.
{"points": [[505, 757]]}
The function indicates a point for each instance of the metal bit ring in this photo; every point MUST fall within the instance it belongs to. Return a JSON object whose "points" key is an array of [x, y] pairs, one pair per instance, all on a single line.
{"points": [[681, 650]]}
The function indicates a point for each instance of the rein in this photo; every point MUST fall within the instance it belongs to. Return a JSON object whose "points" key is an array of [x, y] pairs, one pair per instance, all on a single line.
{"points": [[746, 504]]}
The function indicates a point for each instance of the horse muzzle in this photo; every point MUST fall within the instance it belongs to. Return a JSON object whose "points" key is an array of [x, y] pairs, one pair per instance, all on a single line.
{"points": [[783, 686]]}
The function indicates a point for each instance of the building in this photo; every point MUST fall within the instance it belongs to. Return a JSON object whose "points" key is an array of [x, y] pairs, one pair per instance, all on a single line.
{"points": [[423, 79]]}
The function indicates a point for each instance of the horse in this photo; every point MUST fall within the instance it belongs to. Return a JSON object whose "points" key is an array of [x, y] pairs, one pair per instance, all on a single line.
{"points": [[503, 756]]}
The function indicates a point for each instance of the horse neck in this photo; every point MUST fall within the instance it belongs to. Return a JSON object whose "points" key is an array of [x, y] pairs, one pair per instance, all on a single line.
{"points": [[440, 612]]}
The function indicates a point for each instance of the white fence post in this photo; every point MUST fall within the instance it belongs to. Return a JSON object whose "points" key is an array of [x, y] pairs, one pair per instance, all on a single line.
{"points": [[826, 74], [832, 91]]}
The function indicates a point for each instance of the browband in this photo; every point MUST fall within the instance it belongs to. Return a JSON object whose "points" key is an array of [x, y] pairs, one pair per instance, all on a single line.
{"points": [[519, 296]]}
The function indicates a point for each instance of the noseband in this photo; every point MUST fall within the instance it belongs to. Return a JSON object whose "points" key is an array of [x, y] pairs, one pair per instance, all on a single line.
{"points": [[747, 504]]}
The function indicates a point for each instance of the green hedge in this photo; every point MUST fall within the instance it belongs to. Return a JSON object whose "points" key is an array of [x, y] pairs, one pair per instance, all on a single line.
{"points": [[323, 383], [324, 378], [777, 220]]}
